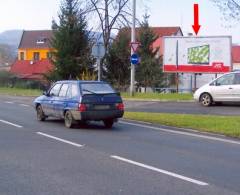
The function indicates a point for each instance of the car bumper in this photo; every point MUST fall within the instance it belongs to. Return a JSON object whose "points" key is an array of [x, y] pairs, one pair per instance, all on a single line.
{"points": [[97, 115], [196, 97]]}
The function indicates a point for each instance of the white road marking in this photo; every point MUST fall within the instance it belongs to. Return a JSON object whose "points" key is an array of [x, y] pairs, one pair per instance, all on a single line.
{"points": [[59, 139], [9, 123], [8, 102], [161, 171], [25, 105], [183, 133]]}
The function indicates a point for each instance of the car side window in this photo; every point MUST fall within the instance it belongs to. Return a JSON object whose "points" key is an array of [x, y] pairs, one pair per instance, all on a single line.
{"points": [[63, 90], [237, 79], [74, 91], [69, 92], [55, 90], [226, 80]]}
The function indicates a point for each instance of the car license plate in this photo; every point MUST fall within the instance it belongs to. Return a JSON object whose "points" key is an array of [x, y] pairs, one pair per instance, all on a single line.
{"points": [[101, 107]]}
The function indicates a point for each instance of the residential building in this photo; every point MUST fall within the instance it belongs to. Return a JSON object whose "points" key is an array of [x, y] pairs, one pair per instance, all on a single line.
{"points": [[160, 32], [34, 55], [35, 45]]}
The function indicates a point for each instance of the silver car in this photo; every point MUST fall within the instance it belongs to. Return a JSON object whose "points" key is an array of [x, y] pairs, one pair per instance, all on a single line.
{"points": [[225, 88]]}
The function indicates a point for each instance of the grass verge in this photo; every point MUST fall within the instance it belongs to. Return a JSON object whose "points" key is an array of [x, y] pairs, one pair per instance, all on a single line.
{"points": [[19, 91], [226, 125], [159, 96]]}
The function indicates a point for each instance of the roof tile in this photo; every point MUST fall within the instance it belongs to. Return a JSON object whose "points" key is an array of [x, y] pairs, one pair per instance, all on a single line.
{"points": [[29, 39], [26, 69]]}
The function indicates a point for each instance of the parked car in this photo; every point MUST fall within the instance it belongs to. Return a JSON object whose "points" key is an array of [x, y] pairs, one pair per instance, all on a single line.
{"points": [[225, 88], [76, 101]]}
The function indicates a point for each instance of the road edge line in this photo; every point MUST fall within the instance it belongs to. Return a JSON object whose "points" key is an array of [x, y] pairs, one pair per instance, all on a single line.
{"points": [[183, 133]]}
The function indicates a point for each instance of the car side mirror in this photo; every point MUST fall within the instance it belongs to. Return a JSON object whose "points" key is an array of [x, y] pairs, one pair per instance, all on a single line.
{"points": [[45, 93], [218, 84]]}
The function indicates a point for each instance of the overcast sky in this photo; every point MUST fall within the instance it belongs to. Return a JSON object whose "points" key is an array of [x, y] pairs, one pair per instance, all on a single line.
{"points": [[38, 14]]}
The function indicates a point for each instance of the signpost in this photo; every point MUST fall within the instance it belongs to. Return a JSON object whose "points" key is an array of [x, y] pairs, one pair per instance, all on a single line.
{"points": [[133, 39]]}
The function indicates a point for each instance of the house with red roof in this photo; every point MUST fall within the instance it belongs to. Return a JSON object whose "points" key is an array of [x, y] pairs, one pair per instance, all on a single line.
{"points": [[164, 31], [34, 55], [160, 32]]}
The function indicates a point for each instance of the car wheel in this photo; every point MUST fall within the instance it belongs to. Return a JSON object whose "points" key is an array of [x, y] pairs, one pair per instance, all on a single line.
{"points": [[40, 114], [68, 119], [108, 123], [206, 99]]}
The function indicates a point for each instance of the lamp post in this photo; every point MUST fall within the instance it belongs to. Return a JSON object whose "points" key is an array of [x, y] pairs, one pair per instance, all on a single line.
{"points": [[133, 39]]}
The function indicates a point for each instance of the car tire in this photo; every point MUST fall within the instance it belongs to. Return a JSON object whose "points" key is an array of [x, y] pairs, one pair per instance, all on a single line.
{"points": [[206, 99], [68, 119], [40, 114], [108, 123]]}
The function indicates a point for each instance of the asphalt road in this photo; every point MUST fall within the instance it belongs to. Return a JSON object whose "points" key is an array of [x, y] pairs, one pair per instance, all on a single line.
{"points": [[183, 108], [132, 158], [162, 107]]}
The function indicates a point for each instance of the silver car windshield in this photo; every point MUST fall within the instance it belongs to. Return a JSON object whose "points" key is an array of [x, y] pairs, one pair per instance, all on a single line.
{"points": [[96, 88]]}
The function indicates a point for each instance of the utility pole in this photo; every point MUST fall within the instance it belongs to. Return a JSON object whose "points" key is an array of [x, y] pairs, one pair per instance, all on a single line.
{"points": [[99, 60], [133, 40]]}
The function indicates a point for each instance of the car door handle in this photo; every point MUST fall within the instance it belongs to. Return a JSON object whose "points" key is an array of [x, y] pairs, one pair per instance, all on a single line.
{"points": [[230, 88]]}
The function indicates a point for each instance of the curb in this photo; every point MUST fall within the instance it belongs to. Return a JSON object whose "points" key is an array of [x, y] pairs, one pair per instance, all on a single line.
{"points": [[155, 100]]}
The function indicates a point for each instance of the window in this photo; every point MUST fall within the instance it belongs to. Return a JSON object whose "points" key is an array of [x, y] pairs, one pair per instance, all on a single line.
{"points": [[21, 55], [74, 91], [63, 90], [41, 40], [226, 80], [96, 88], [237, 79], [55, 90], [36, 56], [49, 55]]}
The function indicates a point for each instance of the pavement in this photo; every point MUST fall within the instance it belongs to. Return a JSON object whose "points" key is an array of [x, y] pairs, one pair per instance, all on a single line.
{"points": [[132, 158]]}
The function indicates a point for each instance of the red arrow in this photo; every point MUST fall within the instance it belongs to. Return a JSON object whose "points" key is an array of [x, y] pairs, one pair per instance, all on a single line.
{"points": [[196, 25]]}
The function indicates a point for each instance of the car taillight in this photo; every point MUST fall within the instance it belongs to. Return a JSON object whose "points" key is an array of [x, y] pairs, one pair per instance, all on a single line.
{"points": [[120, 106], [82, 107]]}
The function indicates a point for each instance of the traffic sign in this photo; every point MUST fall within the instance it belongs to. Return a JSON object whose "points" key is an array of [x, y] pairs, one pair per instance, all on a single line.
{"points": [[134, 59], [134, 46]]}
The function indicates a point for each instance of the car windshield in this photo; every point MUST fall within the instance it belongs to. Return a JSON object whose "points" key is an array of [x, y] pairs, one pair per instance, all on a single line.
{"points": [[96, 88]]}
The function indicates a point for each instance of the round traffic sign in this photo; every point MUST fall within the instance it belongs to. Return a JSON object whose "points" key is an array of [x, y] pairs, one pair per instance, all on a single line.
{"points": [[134, 59]]}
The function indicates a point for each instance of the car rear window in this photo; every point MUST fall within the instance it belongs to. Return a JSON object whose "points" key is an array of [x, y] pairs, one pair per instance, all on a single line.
{"points": [[98, 88]]}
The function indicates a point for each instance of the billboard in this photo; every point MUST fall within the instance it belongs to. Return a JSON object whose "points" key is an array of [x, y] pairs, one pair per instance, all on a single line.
{"points": [[197, 54]]}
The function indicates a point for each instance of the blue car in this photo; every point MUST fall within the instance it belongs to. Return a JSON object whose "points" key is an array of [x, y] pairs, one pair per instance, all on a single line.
{"points": [[80, 101]]}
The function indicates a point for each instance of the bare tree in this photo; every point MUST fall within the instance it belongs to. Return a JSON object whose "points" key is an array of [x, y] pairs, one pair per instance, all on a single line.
{"points": [[230, 10], [108, 16]]}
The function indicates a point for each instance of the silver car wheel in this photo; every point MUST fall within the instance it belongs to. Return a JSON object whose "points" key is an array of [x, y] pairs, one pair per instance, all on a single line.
{"points": [[206, 99]]}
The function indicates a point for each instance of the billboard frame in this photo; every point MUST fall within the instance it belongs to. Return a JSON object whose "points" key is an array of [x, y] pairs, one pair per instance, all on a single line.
{"points": [[196, 65]]}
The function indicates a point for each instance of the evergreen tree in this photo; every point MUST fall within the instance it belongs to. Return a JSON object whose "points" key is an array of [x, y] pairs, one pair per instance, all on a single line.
{"points": [[118, 62], [72, 43], [149, 71]]}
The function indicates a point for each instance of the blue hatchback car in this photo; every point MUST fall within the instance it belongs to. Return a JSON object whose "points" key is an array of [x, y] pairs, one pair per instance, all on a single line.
{"points": [[77, 101]]}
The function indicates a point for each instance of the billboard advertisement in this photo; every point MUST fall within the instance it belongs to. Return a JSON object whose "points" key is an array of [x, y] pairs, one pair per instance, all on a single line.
{"points": [[197, 54]]}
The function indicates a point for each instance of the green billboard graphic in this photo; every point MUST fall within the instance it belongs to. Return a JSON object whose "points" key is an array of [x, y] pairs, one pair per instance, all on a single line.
{"points": [[199, 54]]}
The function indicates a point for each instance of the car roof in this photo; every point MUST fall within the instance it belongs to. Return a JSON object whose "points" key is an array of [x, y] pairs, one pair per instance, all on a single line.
{"points": [[237, 70], [79, 81]]}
